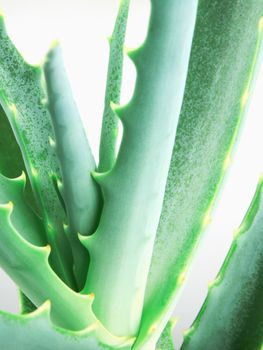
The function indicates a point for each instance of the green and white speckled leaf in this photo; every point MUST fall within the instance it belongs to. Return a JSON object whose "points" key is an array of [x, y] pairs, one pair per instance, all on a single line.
{"points": [[166, 340], [11, 165], [36, 331], [109, 128], [21, 96], [232, 315], [223, 59], [11, 161]]}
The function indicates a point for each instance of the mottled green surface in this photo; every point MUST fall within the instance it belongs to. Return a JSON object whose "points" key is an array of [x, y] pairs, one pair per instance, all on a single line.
{"points": [[166, 340], [223, 61], [21, 96], [225, 45], [232, 315], [121, 248], [12, 165], [109, 128], [11, 162], [36, 331]]}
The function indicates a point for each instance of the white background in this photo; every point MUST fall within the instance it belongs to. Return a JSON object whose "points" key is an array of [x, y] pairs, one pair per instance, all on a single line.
{"points": [[82, 27]]}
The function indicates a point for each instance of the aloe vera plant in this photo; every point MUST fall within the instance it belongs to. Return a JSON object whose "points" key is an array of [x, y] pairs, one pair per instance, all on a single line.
{"points": [[99, 251]]}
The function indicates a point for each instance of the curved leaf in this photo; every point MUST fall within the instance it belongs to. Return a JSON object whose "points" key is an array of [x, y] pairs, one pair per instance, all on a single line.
{"points": [[109, 128], [223, 62], [82, 196], [21, 96], [133, 190], [231, 317], [36, 331]]}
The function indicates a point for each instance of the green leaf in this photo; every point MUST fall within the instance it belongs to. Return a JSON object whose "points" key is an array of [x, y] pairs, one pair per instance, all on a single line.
{"points": [[166, 340], [24, 219], [12, 165], [81, 194], [133, 190], [220, 79], [109, 129], [21, 96], [11, 161], [232, 317], [36, 331], [28, 266]]}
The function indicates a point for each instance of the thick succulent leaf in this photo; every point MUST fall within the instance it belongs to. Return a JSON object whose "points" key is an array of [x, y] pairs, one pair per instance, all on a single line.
{"points": [[11, 165], [13, 190], [166, 340], [133, 190], [21, 96], [82, 196], [109, 129], [11, 160], [232, 317], [28, 266], [36, 331], [223, 60]]}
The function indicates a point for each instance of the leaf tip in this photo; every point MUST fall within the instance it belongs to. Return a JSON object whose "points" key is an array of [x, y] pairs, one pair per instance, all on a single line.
{"points": [[99, 176], [132, 53], [91, 296]]}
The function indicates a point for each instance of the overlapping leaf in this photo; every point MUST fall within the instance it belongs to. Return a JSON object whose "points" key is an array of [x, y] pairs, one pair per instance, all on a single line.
{"points": [[22, 98], [223, 62], [133, 190], [232, 317], [36, 331]]}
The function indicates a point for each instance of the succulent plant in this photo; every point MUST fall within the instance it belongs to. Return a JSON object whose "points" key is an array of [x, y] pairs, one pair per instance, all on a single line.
{"points": [[99, 251]]}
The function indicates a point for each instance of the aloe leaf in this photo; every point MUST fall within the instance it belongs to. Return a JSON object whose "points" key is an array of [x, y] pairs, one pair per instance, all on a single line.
{"points": [[21, 96], [166, 340], [28, 266], [81, 194], [13, 190], [11, 165], [11, 161], [223, 62], [133, 190], [36, 331], [109, 130], [231, 317]]}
